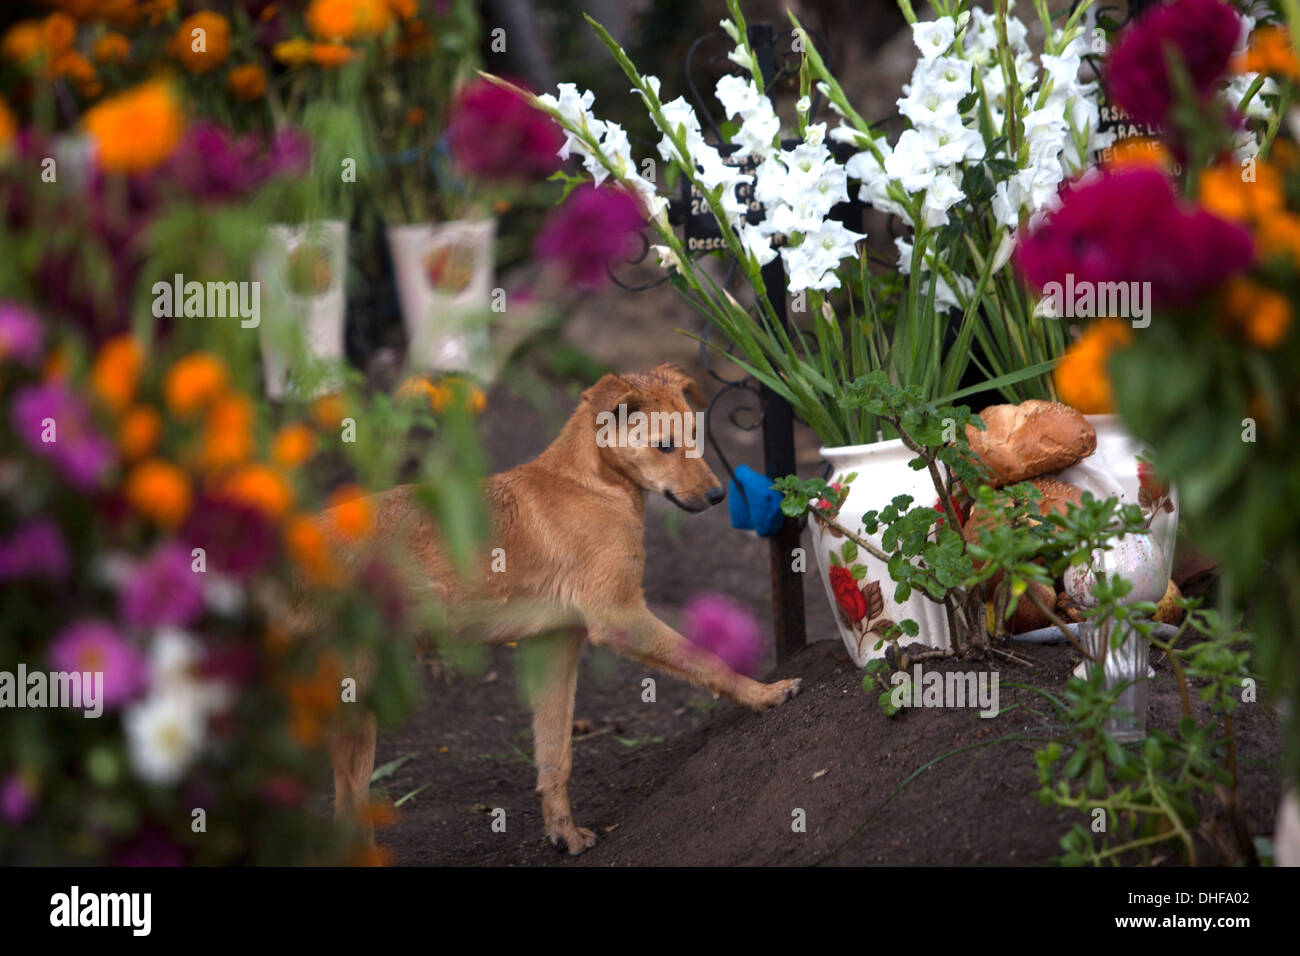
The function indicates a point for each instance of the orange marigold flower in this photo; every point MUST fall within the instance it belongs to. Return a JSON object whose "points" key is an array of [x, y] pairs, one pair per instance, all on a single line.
{"points": [[1270, 52], [247, 82], [1138, 151], [328, 411], [453, 392], [75, 67], [156, 11], [1261, 314], [1082, 376], [23, 42], [202, 41], [228, 431], [350, 513], [306, 544], [260, 487], [1278, 236], [139, 432], [295, 52], [58, 33], [159, 491], [347, 19], [8, 126], [194, 382], [116, 371], [293, 445], [404, 9], [1223, 192], [416, 38], [331, 55], [111, 47], [136, 130]]}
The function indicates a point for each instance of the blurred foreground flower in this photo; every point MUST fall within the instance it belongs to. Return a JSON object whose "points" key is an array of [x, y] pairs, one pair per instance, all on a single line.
{"points": [[1130, 226], [202, 41], [1082, 377], [347, 19], [94, 646], [723, 628], [136, 130], [1200, 33], [494, 134], [56, 424], [586, 235], [21, 334]]}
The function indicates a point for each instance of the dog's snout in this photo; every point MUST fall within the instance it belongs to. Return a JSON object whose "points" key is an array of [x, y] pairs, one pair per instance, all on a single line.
{"points": [[716, 494]]}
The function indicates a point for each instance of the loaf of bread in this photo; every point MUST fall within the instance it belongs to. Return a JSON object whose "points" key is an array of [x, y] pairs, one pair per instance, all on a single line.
{"points": [[1030, 439], [1056, 496]]}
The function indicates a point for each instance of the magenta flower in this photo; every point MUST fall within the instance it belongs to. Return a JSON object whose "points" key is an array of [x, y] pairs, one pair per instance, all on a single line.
{"points": [[723, 628], [56, 424], [17, 798], [1201, 33], [211, 164], [589, 232], [496, 135], [35, 550], [21, 334], [162, 590], [94, 646], [1130, 226], [236, 539]]}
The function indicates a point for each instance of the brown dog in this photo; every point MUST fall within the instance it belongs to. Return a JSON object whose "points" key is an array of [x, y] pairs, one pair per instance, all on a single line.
{"points": [[568, 527]]}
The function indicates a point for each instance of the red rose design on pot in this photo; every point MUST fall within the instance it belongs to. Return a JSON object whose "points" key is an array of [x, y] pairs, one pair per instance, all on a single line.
{"points": [[847, 594]]}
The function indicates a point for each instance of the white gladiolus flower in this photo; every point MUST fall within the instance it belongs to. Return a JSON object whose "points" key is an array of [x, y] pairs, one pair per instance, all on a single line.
{"points": [[943, 194], [756, 244], [935, 37], [667, 257], [740, 56], [911, 163]]}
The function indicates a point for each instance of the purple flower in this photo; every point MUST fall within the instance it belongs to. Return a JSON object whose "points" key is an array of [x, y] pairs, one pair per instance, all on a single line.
{"points": [[211, 164], [56, 424], [236, 539], [495, 134], [17, 798], [21, 334], [593, 229], [1129, 226], [1200, 33], [94, 646], [723, 628], [162, 590], [35, 550]]}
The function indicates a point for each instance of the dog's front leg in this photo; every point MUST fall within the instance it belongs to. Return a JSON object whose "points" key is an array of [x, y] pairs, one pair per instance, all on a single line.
{"points": [[636, 633], [552, 701]]}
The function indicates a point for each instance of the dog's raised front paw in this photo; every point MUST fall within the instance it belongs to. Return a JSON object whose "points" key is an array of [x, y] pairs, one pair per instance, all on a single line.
{"points": [[777, 692], [566, 836]]}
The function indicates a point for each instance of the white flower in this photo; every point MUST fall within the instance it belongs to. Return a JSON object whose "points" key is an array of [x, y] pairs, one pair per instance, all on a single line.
{"points": [[812, 264], [730, 29], [911, 162], [756, 244], [935, 37], [942, 195], [667, 257], [740, 56], [164, 733]]}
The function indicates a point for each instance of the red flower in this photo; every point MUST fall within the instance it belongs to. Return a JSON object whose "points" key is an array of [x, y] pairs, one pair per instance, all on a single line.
{"points": [[495, 135], [1201, 33], [847, 593], [593, 229], [1130, 226]]}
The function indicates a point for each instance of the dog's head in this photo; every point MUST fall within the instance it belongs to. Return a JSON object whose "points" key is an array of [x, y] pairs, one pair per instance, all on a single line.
{"points": [[646, 430]]}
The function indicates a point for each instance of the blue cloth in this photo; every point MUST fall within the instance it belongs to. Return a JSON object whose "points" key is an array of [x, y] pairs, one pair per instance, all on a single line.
{"points": [[755, 505]]}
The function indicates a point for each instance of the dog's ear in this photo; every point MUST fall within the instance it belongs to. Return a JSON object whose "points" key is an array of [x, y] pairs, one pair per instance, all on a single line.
{"points": [[670, 373], [609, 392]]}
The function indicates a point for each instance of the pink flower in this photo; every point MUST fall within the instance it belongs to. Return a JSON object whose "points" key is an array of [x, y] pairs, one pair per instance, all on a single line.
{"points": [[593, 229], [35, 550], [496, 135], [95, 647], [727, 630], [1129, 226], [56, 424], [21, 334], [162, 590], [17, 798], [1201, 33]]}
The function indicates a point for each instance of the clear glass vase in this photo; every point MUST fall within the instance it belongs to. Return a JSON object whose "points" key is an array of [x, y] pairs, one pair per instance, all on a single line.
{"points": [[1125, 667]]}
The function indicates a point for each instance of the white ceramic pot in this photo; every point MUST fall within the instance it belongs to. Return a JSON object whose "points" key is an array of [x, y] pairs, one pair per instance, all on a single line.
{"points": [[858, 585], [444, 284], [861, 592], [302, 271]]}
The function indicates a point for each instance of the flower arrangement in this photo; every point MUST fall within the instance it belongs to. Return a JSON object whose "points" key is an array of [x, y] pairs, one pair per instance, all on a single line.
{"points": [[1211, 382]]}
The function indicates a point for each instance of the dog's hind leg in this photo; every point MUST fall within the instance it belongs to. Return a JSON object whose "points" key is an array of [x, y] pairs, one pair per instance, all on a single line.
{"points": [[352, 755], [551, 695]]}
